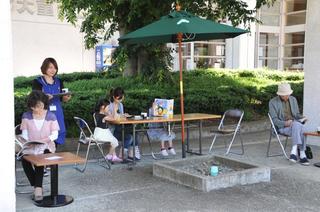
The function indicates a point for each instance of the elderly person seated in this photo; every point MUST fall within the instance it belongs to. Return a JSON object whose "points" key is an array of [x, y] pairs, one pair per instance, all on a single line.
{"points": [[284, 112]]}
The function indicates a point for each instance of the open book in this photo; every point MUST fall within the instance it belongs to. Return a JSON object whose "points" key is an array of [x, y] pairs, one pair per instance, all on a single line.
{"points": [[23, 141], [302, 120]]}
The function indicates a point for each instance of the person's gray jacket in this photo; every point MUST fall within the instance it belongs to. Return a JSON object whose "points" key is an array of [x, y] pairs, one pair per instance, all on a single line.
{"points": [[277, 114]]}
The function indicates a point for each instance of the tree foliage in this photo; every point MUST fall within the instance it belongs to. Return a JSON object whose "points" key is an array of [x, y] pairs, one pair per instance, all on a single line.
{"points": [[100, 19]]}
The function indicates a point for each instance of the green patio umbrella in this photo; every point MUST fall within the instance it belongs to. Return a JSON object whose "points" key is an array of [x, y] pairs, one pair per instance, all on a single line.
{"points": [[176, 27]]}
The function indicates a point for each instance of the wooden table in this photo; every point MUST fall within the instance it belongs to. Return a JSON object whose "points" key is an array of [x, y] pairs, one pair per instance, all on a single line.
{"points": [[176, 118], [306, 134], [55, 199]]}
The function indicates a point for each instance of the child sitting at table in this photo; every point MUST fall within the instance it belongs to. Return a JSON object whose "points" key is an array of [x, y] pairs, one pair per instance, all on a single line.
{"points": [[116, 110], [157, 132], [101, 132]]}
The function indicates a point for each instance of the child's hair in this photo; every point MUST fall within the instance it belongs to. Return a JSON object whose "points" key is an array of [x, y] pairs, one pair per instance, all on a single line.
{"points": [[117, 92], [100, 103]]}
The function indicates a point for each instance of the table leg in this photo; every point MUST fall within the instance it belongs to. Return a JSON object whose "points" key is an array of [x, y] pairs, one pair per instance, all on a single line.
{"points": [[134, 143], [54, 200], [124, 160], [200, 140], [54, 180], [200, 137], [188, 134]]}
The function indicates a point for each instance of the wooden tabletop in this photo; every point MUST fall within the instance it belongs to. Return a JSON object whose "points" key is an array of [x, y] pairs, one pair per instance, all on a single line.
{"points": [[311, 134], [49, 159], [176, 118]]}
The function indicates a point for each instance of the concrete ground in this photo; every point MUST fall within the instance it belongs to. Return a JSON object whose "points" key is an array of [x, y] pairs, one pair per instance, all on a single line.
{"points": [[293, 187]]}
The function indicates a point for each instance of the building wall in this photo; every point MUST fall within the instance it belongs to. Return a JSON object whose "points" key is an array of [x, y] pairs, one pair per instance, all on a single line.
{"points": [[240, 50], [37, 33], [311, 103]]}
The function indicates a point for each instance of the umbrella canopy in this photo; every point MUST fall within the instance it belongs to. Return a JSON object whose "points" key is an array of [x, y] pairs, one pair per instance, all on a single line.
{"points": [[192, 27], [180, 26]]}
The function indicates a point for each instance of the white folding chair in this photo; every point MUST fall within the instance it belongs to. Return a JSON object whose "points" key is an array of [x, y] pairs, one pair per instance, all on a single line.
{"points": [[86, 138], [230, 124], [19, 147], [275, 133]]}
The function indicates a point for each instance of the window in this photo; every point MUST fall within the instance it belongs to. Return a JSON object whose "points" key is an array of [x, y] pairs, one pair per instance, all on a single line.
{"points": [[295, 11], [268, 50], [281, 35], [270, 16], [295, 5], [209, 54], [203, 54], [186, 55], [293, 51], [296, 18]]}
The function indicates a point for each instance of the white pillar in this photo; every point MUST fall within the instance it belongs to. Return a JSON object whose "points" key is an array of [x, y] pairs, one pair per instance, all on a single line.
{"points": [[311, 103], [7, 194]]}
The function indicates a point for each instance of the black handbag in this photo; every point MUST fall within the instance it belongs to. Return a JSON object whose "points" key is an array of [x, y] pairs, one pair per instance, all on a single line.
{"points": [[309, 152]]}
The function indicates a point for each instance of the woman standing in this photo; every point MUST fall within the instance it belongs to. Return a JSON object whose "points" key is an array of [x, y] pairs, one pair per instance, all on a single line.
{"points": [[49, 84]]}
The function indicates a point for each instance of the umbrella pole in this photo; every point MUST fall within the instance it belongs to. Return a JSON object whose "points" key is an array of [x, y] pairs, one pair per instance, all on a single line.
{"points": [[179, 38]]}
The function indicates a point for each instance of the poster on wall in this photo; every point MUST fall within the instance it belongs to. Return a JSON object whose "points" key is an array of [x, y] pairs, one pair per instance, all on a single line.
{"points": [[104, 56]]}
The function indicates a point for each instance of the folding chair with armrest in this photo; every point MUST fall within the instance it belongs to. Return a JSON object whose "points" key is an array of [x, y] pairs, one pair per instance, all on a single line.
{"points": [[234, 118], [19, 147], [274, 132], [86, 138]]}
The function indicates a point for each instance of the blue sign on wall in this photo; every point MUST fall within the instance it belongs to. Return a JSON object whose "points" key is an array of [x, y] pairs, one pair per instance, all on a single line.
{"points": [[103, 55]]}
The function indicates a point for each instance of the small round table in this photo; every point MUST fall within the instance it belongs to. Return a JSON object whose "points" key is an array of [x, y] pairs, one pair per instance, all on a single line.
{"points": [[53, 160]]}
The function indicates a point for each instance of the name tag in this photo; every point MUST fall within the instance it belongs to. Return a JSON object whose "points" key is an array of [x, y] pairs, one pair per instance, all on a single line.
{"points": [[53, 108]]}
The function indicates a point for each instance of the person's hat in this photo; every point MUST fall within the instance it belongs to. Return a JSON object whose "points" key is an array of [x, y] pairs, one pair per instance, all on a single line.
{"points": [[284, 89]]}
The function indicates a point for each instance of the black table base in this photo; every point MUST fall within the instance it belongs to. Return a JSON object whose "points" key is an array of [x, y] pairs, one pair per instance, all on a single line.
{"points": [[317, 164], [56, 201]]}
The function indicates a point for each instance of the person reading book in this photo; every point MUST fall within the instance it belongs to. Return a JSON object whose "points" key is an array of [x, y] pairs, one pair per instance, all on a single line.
{"points": [[116, 110], [40, 128], [157, 132], [284, 111]]}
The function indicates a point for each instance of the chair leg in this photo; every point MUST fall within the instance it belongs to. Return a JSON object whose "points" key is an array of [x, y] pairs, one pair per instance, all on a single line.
{"points": [[20, 184], [282, 147], [78, 148], [269, 144], [231, 142], [86, 160], [104, 158], [212, 143], [151, 150], [285, 144], [153, 155]]}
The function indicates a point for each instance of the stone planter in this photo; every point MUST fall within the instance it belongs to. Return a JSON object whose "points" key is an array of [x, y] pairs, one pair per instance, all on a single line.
{"points": [[240, 174]]}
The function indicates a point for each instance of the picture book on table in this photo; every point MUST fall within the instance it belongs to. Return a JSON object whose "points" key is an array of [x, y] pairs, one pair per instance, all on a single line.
{"points": [[163, 107]]}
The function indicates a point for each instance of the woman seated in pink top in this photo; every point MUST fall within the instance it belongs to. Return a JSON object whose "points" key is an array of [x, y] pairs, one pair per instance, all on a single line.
{"points": [[38, 125]]}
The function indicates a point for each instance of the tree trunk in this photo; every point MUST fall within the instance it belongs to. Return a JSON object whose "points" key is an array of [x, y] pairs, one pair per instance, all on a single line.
{"points": [[132, 63], [142, 58], [131, 67]]}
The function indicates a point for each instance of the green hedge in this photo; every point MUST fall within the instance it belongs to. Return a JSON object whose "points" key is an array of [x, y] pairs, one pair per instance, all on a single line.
{"points": [[207, 91]]}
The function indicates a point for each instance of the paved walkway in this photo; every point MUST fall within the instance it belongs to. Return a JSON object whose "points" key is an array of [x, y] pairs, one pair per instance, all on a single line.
{"points": [[293, 187]]}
